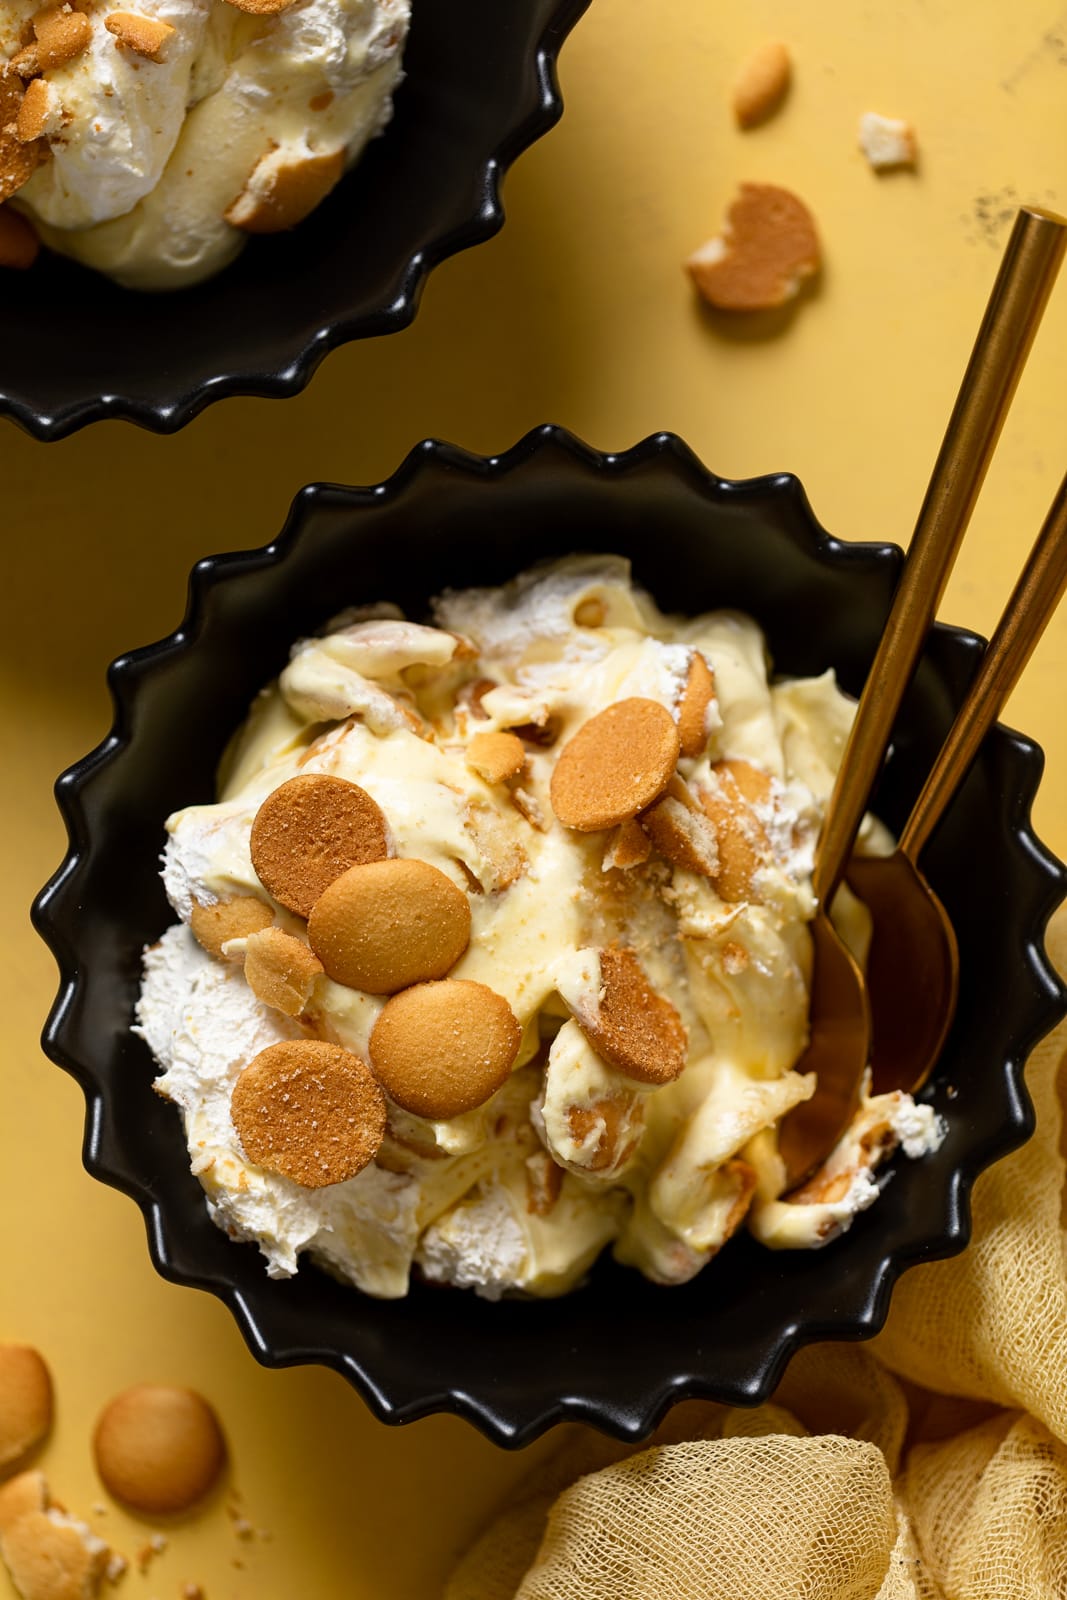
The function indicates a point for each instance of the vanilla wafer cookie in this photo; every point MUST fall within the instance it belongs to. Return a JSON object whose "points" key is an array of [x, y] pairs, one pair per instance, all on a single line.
{"points": [[310, 1111], [440, 1049], [389, 924], [309, 831], [615, 765], [25, 1402]]}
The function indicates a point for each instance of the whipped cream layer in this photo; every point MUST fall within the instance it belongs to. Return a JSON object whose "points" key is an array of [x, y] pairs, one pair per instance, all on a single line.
{"points": [[571, 1155], [156, 170]]}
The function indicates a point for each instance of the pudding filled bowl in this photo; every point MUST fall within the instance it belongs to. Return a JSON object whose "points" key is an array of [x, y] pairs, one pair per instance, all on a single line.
{"points": [[565, 1330], [244, 185]]}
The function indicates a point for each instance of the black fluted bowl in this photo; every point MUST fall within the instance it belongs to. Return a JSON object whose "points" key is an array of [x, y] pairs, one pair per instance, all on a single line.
{"points": [[480, 88], [619, 1351]]}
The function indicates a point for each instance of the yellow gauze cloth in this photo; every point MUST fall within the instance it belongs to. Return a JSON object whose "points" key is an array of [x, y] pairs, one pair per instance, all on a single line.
{"points": [[930, 1464]]}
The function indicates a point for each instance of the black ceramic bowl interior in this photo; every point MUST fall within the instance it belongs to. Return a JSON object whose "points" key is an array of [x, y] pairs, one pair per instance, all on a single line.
{"points": [[619, 1351], [480, 87]]}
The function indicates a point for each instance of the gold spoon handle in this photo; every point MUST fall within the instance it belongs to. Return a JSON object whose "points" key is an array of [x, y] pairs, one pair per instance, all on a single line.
{"points": [[1020, 292], [1040, 589]]}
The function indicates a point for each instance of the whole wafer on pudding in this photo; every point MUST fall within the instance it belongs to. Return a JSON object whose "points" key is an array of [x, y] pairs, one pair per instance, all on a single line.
{"points": [[384, 926], [309, 1111], [563, 1013], [310, 831], [615, 765], [440, 1049]]}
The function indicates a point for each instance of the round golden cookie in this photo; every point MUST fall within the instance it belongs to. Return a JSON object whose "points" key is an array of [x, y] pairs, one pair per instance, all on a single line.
{"points": [[213, 926], [616, 764], [387, 925], [440, 1049], [633, 1028], [310, 830], [309, 1111], [158, 1449], [25, 1402]]}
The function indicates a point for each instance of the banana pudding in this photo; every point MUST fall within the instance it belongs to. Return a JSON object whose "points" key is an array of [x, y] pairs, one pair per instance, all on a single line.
{"points": [[493, 951], [150, 143]]}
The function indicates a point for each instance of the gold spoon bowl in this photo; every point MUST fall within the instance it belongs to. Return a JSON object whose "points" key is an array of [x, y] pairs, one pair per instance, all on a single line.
{"points": [[913, 968], [840, 1043]]}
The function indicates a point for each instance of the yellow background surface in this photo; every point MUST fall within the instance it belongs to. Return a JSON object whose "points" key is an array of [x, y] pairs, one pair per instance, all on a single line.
{"points": [[578, 313]]}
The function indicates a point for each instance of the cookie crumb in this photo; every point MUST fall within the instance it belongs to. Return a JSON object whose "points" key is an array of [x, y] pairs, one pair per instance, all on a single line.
{"points": [[117, 1567], [887, 142]]}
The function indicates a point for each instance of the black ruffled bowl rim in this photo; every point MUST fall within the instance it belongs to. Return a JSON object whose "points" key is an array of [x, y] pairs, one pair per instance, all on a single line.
{"points": [[384, 1353], [79, 391]]}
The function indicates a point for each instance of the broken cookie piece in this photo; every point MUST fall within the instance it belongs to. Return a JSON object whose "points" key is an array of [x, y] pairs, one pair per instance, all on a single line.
{"points": [[19, 244], [19, 159], [145, 36], [282, 189], [887, 142], [39, 113], [49, 1554], [25, 1402], [768, 248]]}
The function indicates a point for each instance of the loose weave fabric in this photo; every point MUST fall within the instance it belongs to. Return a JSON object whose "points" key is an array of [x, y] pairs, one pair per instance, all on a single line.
{"points": [[930, 1464]]}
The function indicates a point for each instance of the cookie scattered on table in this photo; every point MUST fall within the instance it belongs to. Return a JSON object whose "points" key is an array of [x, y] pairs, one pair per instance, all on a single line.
{"points": [[767, 249], [25, 1402], [215, 925], [762, 83], [887, 142], [19, 244], [49, 1554], [158, 1449]]}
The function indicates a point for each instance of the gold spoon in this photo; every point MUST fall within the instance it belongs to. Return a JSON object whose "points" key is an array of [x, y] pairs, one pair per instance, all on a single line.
{"points": [[839, 1043], [913, 968]]}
